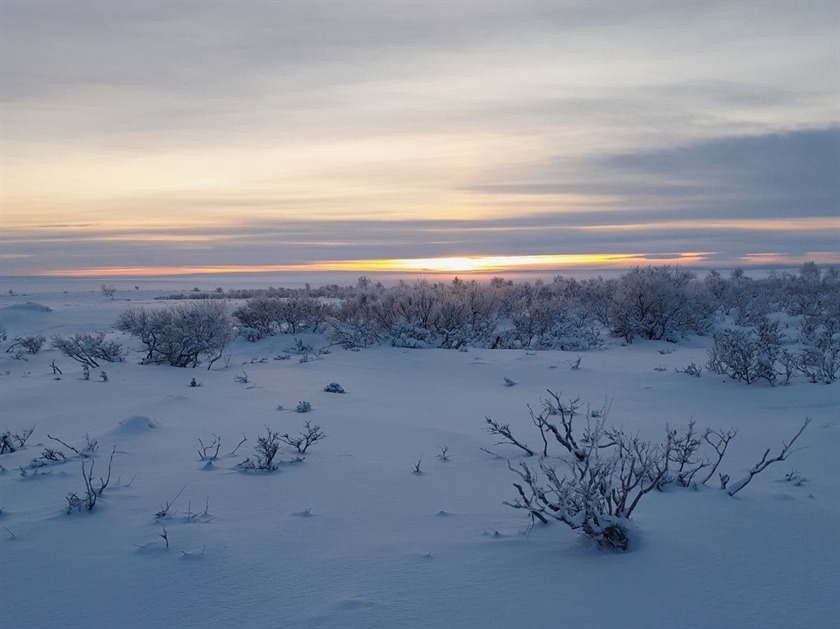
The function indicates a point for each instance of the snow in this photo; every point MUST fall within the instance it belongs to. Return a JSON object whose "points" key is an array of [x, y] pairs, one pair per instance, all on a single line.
{"points": [[350, 537]]}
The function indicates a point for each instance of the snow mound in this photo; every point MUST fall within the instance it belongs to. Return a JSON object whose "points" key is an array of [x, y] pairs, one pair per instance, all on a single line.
{"points": [[29, 306], [135, 424]]}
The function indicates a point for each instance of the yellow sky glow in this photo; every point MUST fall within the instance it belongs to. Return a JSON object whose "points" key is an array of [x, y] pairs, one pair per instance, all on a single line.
{"points": [[470, 264]]}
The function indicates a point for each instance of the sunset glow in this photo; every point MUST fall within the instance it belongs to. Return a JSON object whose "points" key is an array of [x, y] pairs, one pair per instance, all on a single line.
{"points": [[466, 265]]}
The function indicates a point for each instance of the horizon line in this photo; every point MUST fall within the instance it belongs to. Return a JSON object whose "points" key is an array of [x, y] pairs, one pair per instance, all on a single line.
{"points": [[477, 264]]}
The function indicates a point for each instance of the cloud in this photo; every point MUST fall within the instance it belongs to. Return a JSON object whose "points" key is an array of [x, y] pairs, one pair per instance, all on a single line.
{"points": [[793, 173]]}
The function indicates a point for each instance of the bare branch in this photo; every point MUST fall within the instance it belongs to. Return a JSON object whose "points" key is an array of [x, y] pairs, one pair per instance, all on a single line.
{"points": [[244, 439], [503, 430], [764, 463]]}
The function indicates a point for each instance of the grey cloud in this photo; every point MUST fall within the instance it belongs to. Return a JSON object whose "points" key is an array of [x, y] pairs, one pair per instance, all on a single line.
{"points": [[765, 176]]}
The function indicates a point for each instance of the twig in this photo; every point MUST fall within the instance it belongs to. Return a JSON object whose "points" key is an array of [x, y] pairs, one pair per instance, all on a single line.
{"points": [[244, 439], [164, 511]]}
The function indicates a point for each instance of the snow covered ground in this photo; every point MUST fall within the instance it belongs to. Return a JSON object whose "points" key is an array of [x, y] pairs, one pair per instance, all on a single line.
{"points": [[351, 537]]}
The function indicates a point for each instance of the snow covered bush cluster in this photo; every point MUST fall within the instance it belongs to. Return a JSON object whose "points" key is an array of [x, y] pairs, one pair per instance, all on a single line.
{"points": [[654, 302], [266, 316], [183, 335]]}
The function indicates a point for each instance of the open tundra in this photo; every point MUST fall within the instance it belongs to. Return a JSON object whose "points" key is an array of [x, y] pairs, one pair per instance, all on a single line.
{"points": [[395, 516]]}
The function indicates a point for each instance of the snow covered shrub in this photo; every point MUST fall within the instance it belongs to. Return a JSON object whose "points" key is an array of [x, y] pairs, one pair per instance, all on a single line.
{"points": [[607, 478], [334, 387], [88, 348], [252, 335], [266, 449], [182, 335], [303, 407], [413, 337], [814, 294], [29, 344], [302, 312], [109, 290], [8, 439], [691, 369], [658, 302], [258, 317], [820, 333], [301, 347], [746, 299], [820, 358], [747, 355], [354, 324], [608, 471], [6, 443]]}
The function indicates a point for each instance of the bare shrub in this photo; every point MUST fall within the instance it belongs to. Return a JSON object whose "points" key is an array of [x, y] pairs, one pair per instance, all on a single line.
{"points": [[266, 450], [210, 452], [310, 435], [610, 471], [91, 493], [164, 510], [601, 490], [28, 344], [415, 467], [89, 348]]}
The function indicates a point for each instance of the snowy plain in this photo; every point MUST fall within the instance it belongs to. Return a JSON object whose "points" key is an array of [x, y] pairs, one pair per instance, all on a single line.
{"points": [[351, 537]]}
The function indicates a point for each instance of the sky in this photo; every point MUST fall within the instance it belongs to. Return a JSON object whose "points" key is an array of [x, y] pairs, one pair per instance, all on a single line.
{"points": [[150, 137]]}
